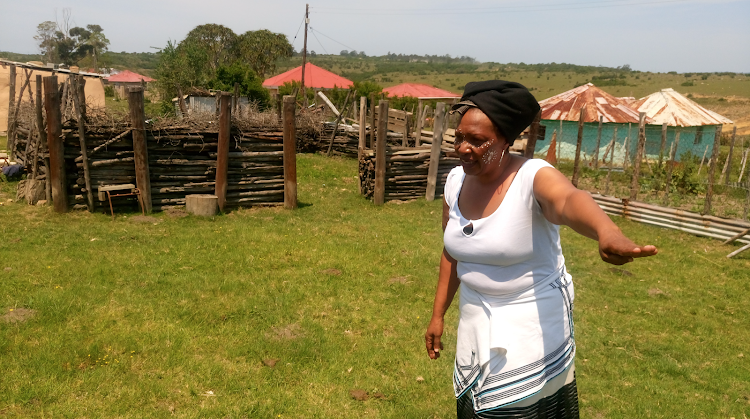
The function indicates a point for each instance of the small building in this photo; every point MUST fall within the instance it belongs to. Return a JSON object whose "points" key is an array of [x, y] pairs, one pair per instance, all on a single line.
{"points": [[696, 124], [94, 88], [560, 115], [315, 78], [202, 101], [126, 79]]}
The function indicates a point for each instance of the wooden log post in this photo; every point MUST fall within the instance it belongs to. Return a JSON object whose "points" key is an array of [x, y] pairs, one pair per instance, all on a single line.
{"points": [[626, 157], [577, 162], [533, 134], [405, 139], [56, 176], [362, 135], [11, 110], [222, 149], [663, 147], [290, 152], [379, 194], [181, 102], [43, 137], [372, 121], [712, 171], [419, 125], [140, 148], [437, 142], [236, 99], [728, 165], [670, 165], [613, 144], [598, 143], [82, 140], [81, 89], [634, 185]]}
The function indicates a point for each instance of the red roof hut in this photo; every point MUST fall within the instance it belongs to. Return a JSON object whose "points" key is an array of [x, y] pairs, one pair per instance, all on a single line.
{"points": [[315, 78]]}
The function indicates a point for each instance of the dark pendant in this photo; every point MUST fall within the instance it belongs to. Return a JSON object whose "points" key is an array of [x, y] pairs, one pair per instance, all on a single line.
{"points": [[468, 229]]}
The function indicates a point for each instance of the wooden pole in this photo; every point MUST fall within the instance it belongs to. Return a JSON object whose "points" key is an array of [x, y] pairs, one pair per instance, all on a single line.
{"points": [[634, 186], [222, 150], [56, 175], [81, 88], [304, 57], [712, 170], [39, 127], [533, 134], [405, 139], [42, 137], [663, 143], [181, 102], [703, 159], [140, 148], [290, 152], [611, 160], [372, 121], [11, 111], [362, 135], [82, 140], [437, 142], [598, 143], [379, 194], [339, 117], [728, 166], [420, 123], [626, 158], [236, 98], [672, 156], [577, 161]]}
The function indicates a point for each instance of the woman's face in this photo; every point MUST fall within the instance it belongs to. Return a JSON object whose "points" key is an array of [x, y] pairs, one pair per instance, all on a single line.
{"points": [[478, 144]]}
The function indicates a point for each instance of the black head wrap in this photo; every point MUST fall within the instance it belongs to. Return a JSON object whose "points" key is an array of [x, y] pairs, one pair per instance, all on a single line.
{"points": [[509, 105]]}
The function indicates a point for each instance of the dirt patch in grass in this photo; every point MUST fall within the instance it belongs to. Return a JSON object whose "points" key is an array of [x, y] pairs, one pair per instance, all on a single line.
{"points": [[176, 212], [400, 279], [331, 271], [288, 332], [655, 292], [144, 219], [17, 315]]}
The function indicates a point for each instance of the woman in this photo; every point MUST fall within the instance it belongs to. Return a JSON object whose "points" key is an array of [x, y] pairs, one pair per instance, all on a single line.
{"points": [[501, 217]]}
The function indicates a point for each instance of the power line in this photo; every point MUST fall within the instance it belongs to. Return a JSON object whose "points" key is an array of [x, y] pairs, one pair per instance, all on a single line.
{"points": [[332, 39], [492, 10], [300, 27], [316, 38]]}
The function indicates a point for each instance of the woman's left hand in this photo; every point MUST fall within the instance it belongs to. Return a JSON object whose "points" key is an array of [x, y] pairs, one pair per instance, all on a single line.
{"points": [[617, 249]]}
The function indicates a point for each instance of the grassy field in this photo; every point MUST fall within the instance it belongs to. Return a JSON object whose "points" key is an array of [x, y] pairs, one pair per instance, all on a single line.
{"points": [[272, 313]]}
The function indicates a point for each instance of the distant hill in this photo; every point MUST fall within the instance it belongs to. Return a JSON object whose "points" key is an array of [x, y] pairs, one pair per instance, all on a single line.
{"points": [[140, 62]]}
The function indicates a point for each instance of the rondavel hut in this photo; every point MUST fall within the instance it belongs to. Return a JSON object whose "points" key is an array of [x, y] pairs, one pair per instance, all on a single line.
{"points": [[561, 113], [697, 125], [316, 78]]}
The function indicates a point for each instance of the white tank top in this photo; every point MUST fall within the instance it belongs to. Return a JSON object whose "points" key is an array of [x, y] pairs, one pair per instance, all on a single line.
{"points": [[511, 250]]}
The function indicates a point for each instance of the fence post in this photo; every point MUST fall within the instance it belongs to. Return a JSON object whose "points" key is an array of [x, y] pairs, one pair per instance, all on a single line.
{"points": [[11, 111], [634, 187], [362, 136], [533, 134], [419, 123], [712, 170], [611, 160], [407, 120], [56, 175], [578, 147], [379, 195], [598, 143], [290, 152], [728, 166], [626, 158], [372, 121], [42, 137], [437, 142], [222, 149], [663, 142], [672, 156], [82, 140], [236, 98], [140, 149]]}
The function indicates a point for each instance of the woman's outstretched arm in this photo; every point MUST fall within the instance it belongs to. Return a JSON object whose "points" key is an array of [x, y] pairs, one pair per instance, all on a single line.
{"points": [[564, 204]]}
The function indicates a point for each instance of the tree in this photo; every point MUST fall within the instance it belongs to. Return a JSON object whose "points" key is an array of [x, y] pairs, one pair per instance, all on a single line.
{"points": [[218, 43], [98, 43], [249, 83], [46, 39], [262, 48], [179, 68]]}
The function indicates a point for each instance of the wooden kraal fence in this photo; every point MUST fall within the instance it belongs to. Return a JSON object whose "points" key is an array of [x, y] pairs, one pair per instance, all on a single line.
{"points": [[242, 166], [402, 173], [725, 229]]}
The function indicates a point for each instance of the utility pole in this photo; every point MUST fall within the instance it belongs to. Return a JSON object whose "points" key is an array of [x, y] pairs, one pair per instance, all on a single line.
{"points": [[304, 55]]}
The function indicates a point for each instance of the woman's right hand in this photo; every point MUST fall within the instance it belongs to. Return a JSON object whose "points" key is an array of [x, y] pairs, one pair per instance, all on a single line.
{"points": [[432, 337]]}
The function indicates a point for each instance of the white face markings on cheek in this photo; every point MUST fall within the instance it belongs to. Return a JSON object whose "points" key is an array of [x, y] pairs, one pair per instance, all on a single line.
{"points": [[490, 156]]}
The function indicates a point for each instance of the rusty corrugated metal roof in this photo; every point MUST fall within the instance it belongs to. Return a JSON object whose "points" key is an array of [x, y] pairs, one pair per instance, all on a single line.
{"points": [[567, 106], [675, 109]]}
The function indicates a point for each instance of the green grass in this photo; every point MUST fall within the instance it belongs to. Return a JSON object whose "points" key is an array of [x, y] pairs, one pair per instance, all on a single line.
{"points": [[143, 318], [3, 142]]}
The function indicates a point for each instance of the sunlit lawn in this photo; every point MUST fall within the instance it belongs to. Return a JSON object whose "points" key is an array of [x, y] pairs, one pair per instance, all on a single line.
{"points": [[170, 316]]}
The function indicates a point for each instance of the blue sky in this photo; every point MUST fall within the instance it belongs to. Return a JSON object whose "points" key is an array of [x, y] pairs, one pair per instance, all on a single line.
{"points": [[660, 35]]}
